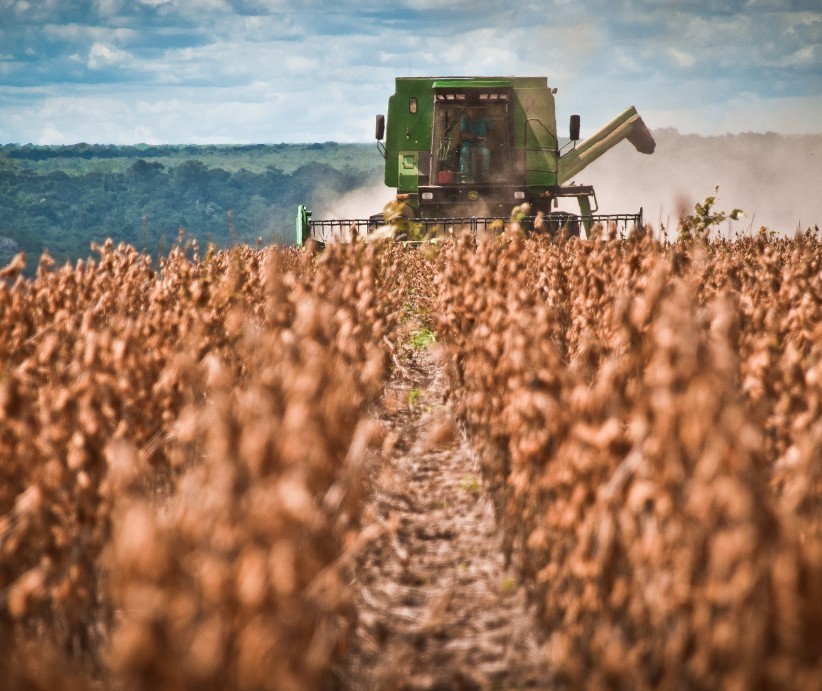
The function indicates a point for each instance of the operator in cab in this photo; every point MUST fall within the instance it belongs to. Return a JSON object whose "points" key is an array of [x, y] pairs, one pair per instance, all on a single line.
{"points": [[475, 158]]}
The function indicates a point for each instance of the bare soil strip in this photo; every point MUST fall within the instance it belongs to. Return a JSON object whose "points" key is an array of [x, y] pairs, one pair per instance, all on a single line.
{"points": [[438, 608]]}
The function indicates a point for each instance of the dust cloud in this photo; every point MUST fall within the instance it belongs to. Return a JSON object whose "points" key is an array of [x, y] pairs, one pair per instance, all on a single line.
{"points": [[359, 203], [775, 179]]}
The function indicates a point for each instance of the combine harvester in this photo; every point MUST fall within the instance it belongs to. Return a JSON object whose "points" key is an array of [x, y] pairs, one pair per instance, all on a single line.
{"points": [[462, 152]]}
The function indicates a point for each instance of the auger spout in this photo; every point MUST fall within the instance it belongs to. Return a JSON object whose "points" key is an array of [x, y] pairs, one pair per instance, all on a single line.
{"points": [[628, 125]]}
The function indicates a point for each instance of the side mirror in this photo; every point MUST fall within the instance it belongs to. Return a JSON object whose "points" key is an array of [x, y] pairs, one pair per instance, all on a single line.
{"points": [[574, 128], [380, 131]]}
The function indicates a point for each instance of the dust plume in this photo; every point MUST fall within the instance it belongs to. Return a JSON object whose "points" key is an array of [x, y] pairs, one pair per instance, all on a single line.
{"points": [[359, 203], [773, 178]]}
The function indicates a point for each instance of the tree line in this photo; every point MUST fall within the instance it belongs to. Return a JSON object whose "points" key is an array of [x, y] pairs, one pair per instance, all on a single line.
{"points": [[147, 203]]}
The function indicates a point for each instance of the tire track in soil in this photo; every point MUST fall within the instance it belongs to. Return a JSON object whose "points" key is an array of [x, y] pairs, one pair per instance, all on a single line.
{"points": [[437, 607]]}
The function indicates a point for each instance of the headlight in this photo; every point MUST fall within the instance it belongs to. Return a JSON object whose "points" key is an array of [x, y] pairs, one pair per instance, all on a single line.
{"points": [[427, 195], [519, 194]]}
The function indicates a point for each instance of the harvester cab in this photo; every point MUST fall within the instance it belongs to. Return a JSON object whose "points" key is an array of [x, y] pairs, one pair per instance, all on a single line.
{"points": [[471, 138], [463, 152]]}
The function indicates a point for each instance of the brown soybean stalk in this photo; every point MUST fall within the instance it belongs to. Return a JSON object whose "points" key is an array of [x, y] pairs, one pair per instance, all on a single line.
{"points": [[649, 417], [181, 450]]}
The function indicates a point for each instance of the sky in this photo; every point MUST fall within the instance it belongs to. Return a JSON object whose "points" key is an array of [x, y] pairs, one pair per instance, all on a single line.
{"points": [[271, 71]]}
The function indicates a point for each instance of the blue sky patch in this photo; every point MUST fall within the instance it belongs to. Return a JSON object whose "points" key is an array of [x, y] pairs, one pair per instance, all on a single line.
{"points": [[201, 71]]}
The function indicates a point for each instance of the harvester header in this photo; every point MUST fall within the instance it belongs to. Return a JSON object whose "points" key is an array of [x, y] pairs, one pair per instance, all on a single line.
{"points": [[467, 150]]}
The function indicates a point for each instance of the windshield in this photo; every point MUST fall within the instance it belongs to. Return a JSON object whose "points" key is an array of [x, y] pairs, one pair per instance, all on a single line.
{"points": [[471, 139]]}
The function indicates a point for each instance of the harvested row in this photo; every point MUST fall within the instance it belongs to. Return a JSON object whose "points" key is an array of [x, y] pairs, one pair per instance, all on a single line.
{"points": [[648, 419]]}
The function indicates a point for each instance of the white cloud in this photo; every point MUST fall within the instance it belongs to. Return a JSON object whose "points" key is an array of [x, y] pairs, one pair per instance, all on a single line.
{"points": [[803, 56], [434, 4], [628, 61], [195, 7], [80, 33], [39, 11], [108, 7], [143, 135], [101, 56], [51, 135], [300, 64], [681, 58], [60, 120], [492, 59], [273, 5], [159, 107]]}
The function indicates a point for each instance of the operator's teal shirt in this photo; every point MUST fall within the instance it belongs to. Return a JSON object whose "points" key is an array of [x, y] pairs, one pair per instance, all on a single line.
{"points": [[479, 127]]}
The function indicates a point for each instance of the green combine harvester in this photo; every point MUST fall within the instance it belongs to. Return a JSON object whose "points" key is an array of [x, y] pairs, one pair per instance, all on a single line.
{"points": [[463, 152]]}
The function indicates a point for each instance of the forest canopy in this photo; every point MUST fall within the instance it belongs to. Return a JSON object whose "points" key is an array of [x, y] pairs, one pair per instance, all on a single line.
{"points": [[63, 198]]}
